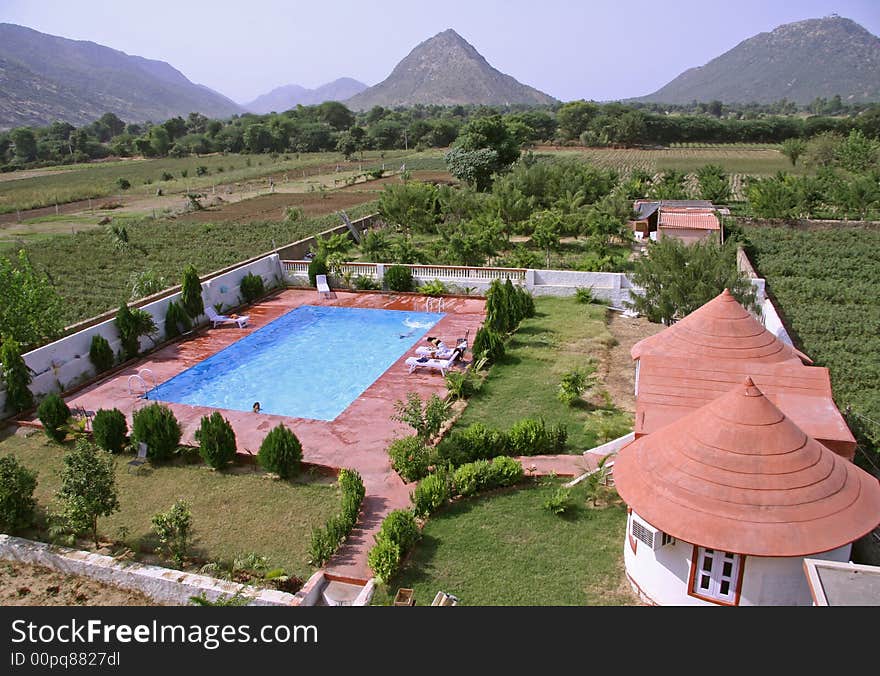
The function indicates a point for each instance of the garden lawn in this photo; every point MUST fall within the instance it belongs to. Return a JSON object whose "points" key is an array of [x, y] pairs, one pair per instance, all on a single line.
{"points": [[506, 549], [234, 512], [562, 336]]}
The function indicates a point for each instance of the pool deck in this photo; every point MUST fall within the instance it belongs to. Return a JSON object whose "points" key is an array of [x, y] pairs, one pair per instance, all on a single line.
{"points": [[356, 439]]}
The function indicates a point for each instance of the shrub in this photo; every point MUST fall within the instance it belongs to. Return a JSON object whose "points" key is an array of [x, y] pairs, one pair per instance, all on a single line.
{"points": [[191, 293], [176, 320], [16, 375], [488, 344], [460, 384], [110, 429], [321, 546], [294, 214], [560, 502], [572, 386], [132, 323], [167, 177], [584, 294], [365, 283], [505, 471], [216, 440], [399, 278], [202, 170], [252, 287], [280, 452], [352, 486], [475, 442], [317, 266], [400, 528], [123, 183], [384, 559], [88, 488], [531, 436], [426, 419], [410, 457], [156, 426], [430, 494], [184, 173], [174, 531], [53, 414], [433, 288], [471, 478], [100, 354], [327, 539], [17, 484]]}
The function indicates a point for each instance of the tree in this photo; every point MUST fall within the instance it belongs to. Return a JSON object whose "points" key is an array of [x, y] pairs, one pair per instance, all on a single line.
{"points": [[678, 278], [114, 125], [25, 144], [17, 484], [30, 308], [793, 148], [822, 148], [486, 133], [411, 206], [191, 293], [174, 531], [714, 184], [574, 118], [160, 141], [336, 115], [88, 487], [546, 226], [857, 153], [16, 376], [474, 167]]}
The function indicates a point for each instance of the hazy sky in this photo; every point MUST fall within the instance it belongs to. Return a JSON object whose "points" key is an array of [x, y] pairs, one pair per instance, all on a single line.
{"points": [[595, 50]]}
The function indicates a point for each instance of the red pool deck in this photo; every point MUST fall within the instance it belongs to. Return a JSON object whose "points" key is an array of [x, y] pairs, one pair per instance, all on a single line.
{"points": [[356, 439]]}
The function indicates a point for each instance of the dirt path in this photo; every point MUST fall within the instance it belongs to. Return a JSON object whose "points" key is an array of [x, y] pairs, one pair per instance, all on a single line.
{"points": [[619, 375], [23, 584]]}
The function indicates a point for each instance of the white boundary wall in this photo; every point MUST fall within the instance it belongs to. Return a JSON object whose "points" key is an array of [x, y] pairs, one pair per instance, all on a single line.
{"points": [[61, 365], [769, 316]]}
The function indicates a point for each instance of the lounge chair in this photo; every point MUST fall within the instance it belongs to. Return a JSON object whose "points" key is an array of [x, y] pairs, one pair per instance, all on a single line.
{"points": [[442, 365], [140, 460], [323, 287], [220, 320], [426, 351]]}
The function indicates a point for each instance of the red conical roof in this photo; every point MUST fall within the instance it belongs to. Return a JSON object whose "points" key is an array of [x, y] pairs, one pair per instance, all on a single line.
{"points": [[720, 329], [739, 476]]}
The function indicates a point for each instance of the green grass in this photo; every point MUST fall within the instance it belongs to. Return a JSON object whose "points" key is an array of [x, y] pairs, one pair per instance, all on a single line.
{"points": [[98, 179], [233, 513], [506, 549], [562, 336], [93, 277]]}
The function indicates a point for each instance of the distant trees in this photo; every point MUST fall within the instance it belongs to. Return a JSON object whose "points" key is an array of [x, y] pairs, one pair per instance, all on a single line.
{"points": [[485, 146], [793, 148], [30, 308]]}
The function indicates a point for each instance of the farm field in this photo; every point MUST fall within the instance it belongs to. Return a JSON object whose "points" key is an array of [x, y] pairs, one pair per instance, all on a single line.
{"points": [[825, 281]]}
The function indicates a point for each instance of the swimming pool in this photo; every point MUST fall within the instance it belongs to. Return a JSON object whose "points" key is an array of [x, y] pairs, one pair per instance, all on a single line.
{"points": [[311, 362]]}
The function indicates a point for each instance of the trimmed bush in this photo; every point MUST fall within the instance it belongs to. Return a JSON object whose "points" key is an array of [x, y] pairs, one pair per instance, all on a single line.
{"points": [[531, 436], [489, 344], [110, 429], [352, 486], [384, 559], [17, 484], [326, 540], [156, 426], [317, 266], [483, 442], [191, 293], [410, 458], [176, 320], [505, 472], [252, 287], [471, 478], [216, 440], [100, 354], [280, 453], [400, 528], [431, 494], [16, 376], [321, 547], [399, 278], [54, 414]]}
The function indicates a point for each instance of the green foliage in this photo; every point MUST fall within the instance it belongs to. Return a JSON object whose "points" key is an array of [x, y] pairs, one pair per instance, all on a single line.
{"points": [[191, 293], [605, 425], [88, 488], [399, 278], [475, 442], [425, 418], [365, 283], [471, 477], [488, 344], [30, 308], [384, 559], [678, 278], [793, 149], [474, 167], [317, 266], [252, 287], [156, 426], [531, 436], [132, 323], [237, 599], [216, 440], [559, 502], [123, 183], [17, 503], [485, 146], [54, 414], [281, 452], [431, 494], [714, 184], [177, 321], [327, 539], [16, 376], [110, 429], [146, 283], [461, 384], [433, 288], [173, 529], [400, 528], [506, 306], [575, 382], [410, 457], [504, 472], [100, 354], [409, 206], [857, 153]]}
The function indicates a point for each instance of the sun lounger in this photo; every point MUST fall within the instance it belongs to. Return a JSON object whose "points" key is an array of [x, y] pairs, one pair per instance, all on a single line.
{"points": [[219, 320], [323, 287], [427, 351], [442, 365]]}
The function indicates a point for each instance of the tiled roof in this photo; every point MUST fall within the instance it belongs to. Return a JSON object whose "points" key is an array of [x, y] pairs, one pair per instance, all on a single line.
{"points": [[689, 219], [738, 475]]}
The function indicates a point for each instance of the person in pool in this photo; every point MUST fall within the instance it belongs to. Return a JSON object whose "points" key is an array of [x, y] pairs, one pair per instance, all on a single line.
{"points": [[256, 407]]}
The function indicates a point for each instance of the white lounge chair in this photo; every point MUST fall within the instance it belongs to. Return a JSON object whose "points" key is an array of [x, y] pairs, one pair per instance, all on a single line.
{"points": [[425, 350], [442, 365], [323, 287], [220, 320]]}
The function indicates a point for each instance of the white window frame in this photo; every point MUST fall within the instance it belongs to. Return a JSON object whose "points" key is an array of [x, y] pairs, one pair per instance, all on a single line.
{"points": [[711, 576]]}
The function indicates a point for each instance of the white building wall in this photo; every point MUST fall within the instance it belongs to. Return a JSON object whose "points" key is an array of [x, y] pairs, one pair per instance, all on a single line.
{"points": [[662, 576]]}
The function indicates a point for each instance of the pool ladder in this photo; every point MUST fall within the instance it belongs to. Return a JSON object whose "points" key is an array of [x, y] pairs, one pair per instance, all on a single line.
{"points": [[433, 302], [138, 379]]}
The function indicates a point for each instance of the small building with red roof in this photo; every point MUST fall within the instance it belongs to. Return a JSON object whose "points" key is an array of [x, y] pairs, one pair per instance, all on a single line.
{"points": [[727, 501], [686, 220]]}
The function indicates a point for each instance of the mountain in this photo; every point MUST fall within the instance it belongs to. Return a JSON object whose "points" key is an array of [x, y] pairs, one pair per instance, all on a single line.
{"points": [[289, 96], [44, 78], [797, 61], [446, 70]]}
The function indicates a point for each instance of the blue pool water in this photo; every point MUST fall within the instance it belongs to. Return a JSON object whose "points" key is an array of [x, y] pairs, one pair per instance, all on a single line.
{"points": [[311, 362]]}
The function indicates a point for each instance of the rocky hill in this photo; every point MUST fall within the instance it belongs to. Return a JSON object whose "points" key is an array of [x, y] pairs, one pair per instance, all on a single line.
{"points": [[290, 96]]}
